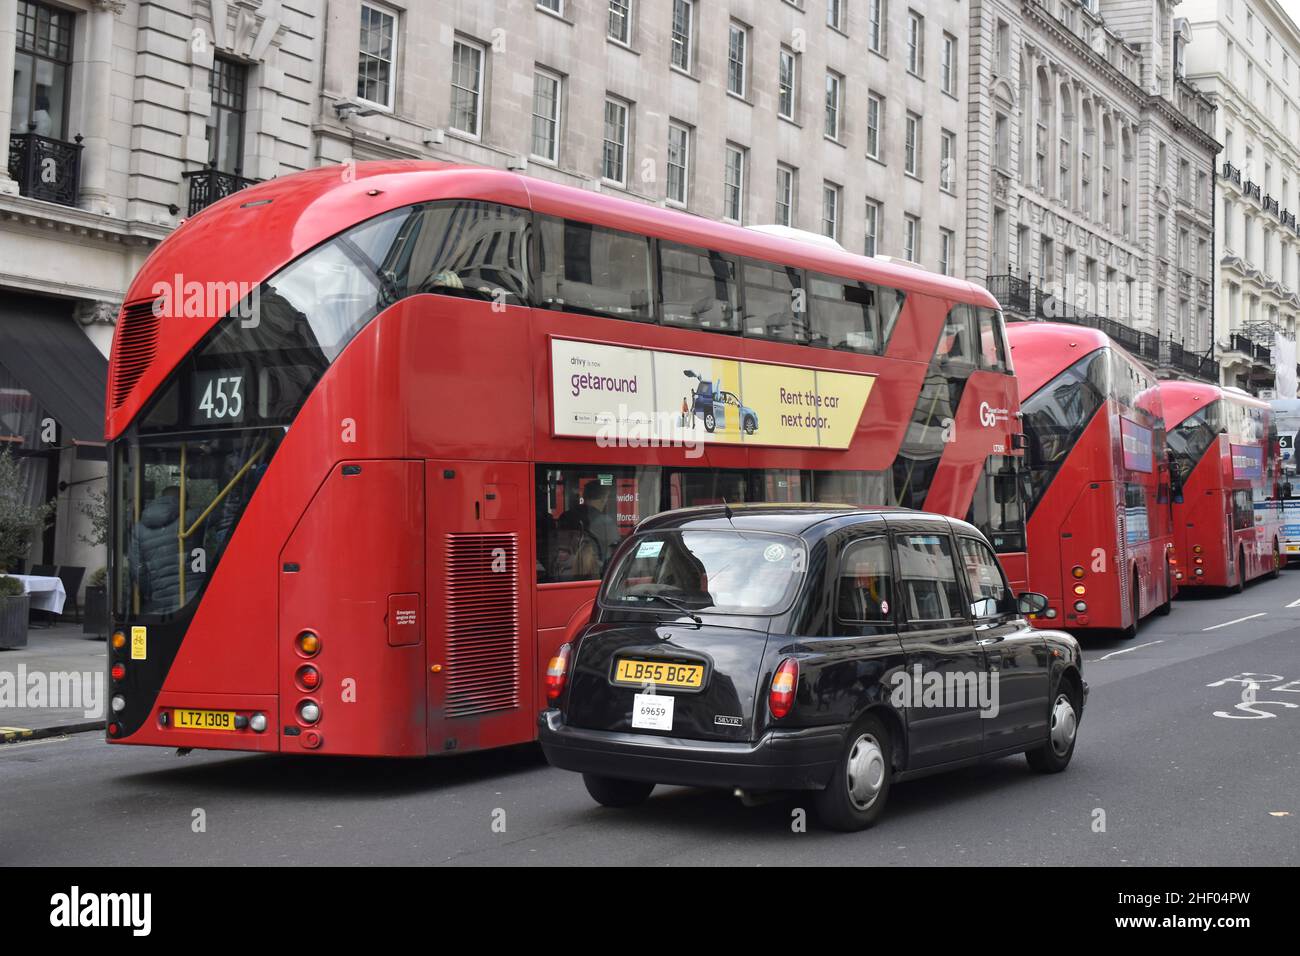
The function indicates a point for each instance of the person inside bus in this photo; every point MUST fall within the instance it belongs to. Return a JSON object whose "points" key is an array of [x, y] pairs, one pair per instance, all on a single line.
{"points": [[153, 553], [575, 557], [591, 515]]}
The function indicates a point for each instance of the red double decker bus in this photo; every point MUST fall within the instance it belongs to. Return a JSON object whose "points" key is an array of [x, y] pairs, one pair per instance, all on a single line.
{"points": [[1228, 518], [357, 509], [1098, 508]]}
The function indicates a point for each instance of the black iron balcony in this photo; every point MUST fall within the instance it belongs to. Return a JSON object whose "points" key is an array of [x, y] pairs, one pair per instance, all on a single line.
{"points": [[1013, 292], [1251, 189], [1232, 173], [1288, 218], [1259, 354], [46, 168], [1199, 366], [209, 184], [1272, 205]]}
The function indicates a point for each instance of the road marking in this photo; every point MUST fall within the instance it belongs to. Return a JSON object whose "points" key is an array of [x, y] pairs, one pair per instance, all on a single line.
{"points": [[1126, 650], [1295, 603], [1248, 617]]}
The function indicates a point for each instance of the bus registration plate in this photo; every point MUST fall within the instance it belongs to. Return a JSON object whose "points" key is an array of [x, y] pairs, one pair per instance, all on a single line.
{"points": [[659, 673], [204, 719]]}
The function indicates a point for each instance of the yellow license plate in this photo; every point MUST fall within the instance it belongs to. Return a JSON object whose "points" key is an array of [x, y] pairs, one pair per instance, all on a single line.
{"points": [[203, 719], [659, 673]]}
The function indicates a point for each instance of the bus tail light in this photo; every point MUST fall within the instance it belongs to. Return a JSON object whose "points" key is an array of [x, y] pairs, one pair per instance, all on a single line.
{"points": [[557, 672], [118, 671], [1081, 606], [781, 696], [308, 711], [1076, 572], [308, 677], [1080, 590], [119, 641], [1196, 549], [308, 644]]}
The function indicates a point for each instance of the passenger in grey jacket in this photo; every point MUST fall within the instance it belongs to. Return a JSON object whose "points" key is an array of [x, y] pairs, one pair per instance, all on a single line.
{"points": [[155, 554]]}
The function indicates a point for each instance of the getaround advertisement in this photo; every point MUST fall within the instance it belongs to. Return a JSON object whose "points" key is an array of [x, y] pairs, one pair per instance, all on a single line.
{"points": [[638, 395]]}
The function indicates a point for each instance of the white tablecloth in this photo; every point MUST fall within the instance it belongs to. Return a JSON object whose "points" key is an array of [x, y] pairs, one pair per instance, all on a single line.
{"points": [[47, 593]]}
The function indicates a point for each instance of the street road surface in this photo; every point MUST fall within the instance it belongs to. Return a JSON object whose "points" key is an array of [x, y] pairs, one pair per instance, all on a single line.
{"points": [[1173, 780]]}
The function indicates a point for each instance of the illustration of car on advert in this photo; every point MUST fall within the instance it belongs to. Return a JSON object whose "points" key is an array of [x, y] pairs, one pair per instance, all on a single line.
{"points": [[711, 403]]}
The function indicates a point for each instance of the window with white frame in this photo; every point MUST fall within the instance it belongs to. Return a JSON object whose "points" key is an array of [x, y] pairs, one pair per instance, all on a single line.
{"points": [[620, 21], [915, 42], [554, 6], [682, 33], [679, 163], [911, 237], [377, 60], [877, 21], [737, 58], [871, 246], [785, 191], [947, 241], [834, 96], [546, 115], [733, 183], [875, 122], [614, 166], [467, 87], [830, 210], [835, 14], [947, 160], [912, 145], [948, 64], [785, 82]]}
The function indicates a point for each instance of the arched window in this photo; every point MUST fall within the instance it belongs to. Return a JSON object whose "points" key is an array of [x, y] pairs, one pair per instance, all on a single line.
{"points": [[1065, 147]]}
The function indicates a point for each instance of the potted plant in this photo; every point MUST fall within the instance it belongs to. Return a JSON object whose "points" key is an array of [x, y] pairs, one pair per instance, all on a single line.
{"points": [[20, 523], [14, 604], [94, 619]]}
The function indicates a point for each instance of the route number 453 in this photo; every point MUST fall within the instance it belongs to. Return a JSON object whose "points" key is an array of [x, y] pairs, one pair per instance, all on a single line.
{"points": [[222, 398], [1249, 707]]}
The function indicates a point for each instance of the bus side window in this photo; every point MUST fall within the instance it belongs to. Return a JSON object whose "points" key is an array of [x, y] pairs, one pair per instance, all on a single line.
{"points": [[955, 341], [698, 288], [776, 305], [595, 271], [992, 352], [844, 313], [468, 249]]}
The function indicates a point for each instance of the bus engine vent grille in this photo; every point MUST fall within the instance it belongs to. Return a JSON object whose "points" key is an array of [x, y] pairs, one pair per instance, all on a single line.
{"points": [[133, 348], [482, 623]]}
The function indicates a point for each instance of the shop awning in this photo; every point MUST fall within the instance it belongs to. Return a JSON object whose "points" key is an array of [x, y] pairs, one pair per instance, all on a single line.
{"points": [[42, 348]]}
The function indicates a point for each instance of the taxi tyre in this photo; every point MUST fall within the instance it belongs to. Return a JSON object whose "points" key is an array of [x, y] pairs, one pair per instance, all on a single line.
{"points": [[835, 805], [616, 792], [1046, 759]]}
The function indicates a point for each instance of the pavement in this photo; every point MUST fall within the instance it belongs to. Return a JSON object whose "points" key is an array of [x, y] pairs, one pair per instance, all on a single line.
{"points": [[78, 661], [1173, 767]]}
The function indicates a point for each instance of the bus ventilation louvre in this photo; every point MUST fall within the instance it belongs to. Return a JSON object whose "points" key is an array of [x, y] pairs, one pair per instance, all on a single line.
{"points": [[137, 337], [482, 623]]}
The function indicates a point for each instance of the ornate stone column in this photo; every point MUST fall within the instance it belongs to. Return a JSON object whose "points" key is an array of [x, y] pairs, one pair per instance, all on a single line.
{"points": [[98, 108], [8, 38]]}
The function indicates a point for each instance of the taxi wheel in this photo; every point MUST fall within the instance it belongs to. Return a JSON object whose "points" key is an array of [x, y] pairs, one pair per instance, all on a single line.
{"points": [[858, 790], [613, 792], [1062, 731]]}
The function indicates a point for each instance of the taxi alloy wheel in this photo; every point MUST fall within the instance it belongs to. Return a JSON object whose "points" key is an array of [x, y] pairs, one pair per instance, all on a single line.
{"points": [[1064, 725], [1054, 754], [855, 796]]}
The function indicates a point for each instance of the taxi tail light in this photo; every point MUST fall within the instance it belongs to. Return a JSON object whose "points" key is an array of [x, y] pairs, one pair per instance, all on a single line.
{"points": [[780, 697], [557, 672]]}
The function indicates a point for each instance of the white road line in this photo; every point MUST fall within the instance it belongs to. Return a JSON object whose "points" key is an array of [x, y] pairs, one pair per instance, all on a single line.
{"points": [[1248, 617], [1124, 651], [1295, 603]]}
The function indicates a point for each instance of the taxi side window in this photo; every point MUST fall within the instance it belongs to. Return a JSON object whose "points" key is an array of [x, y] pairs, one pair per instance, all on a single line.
{"points": [[988, 587], [928, 582], [865, 591]]}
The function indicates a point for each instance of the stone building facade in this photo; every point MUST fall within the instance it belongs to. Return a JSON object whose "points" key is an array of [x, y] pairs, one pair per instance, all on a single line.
{"points": [[1245, 56], [1090, 172], [837, 117], [124, 116]]}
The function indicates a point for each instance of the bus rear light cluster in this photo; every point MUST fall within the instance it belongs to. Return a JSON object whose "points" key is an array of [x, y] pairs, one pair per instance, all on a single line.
{"points": [[1076, 572], [1080, 590], [1050, 613], [1200, 571], [1081, 606], [557, 672], [308, 711], [257, 723], [119, 641], [1196, 549], [308, 677], [780, 698], [117, 671], [118, 703]]}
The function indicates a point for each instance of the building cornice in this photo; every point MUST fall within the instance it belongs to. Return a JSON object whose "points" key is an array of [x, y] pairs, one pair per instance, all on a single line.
{"points": [[91, 226]]}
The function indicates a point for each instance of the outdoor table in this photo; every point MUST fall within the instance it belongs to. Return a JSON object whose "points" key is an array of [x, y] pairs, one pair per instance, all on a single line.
{"points": [[47, 594]]}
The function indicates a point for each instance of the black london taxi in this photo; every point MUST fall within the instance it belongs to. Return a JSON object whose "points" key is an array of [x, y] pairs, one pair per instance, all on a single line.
{"points": [[837, 650]]}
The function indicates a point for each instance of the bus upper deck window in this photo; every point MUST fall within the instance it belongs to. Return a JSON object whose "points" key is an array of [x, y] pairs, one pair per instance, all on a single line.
{"points": [[594, 270], [844, 313], [774, 305], [698, 288]]}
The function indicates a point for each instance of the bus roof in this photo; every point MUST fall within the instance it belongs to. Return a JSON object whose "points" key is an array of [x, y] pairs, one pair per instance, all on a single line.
{"points": [[1182, 399], [249, 236], [1040, 351]]}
